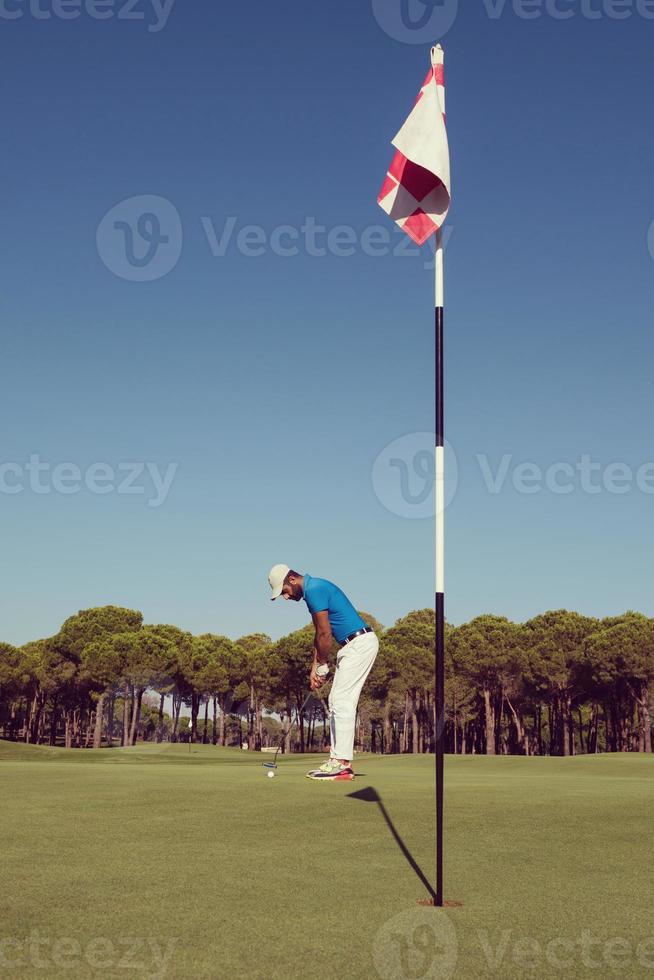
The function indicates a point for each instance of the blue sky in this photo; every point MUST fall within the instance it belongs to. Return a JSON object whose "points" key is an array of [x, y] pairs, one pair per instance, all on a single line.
{"points": [[270, 383]]}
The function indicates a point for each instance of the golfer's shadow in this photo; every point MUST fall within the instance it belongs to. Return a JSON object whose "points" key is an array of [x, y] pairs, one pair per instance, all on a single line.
{"points": [[370, 795]]}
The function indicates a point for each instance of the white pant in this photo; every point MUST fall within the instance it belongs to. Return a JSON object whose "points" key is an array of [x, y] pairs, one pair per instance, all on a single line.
{"points": [[353, 665]]}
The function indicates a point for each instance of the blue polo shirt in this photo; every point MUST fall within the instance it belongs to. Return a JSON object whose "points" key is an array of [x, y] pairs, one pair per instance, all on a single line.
{"points": [[319, 594]]}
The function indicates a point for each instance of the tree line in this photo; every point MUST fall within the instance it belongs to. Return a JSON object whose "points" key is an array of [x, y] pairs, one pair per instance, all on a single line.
{"points": [[559, 684]]}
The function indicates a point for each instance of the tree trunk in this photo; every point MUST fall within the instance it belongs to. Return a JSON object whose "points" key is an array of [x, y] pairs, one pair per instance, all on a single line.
{"points": [[405, 727], [287, 740], [388, 728], [522, 741], [581, 731], [592, 739], [37, 717], [136, 715], [88, 735], [177, 704], [68, 729], [206, 720], [160, 724], [28, 720], [567, 735], [195, 707], [615, 729], [251, 708], [223, 734], [259, 725], [428, 742], [563, 739], [53, 722], [40, 731], [489, 721], [645, 723], [110, 720], [415, 747], [99, 714], [499, 710], [126, 716], [624, 729], [76, 721], [300, 725], [326, 733], [642, 699], [557, 728], [214, 729], [618, 726], [609, 737], [16, 726]]}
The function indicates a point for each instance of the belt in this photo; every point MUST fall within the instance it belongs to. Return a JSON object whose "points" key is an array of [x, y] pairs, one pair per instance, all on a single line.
{"points": [[367, 629]]}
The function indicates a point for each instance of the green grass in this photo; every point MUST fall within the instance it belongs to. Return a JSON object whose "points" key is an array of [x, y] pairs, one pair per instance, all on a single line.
{"points": [[285, 878]]}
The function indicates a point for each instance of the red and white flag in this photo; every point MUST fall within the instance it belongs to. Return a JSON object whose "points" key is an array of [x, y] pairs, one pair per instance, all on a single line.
{"points": [[416, 191]]}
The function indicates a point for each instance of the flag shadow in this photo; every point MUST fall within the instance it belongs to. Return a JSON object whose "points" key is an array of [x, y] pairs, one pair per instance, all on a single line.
{"points": [[370, 795]]}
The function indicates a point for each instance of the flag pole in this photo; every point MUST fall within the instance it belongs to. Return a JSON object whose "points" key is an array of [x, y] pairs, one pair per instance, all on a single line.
{"points": [[440, 563], [416, 194]]}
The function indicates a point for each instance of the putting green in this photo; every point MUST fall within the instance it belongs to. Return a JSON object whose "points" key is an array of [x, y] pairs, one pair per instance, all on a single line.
{"points": [[151, 861]]}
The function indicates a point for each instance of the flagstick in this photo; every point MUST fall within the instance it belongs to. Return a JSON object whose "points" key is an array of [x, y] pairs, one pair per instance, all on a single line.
{"points": [[440, 565]]}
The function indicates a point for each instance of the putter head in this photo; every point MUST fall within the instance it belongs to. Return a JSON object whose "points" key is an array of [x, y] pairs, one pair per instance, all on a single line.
{"points": [[273, 764]]}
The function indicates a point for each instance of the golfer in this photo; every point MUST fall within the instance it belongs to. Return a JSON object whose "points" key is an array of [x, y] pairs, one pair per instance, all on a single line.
{"points": [[334, 617]]}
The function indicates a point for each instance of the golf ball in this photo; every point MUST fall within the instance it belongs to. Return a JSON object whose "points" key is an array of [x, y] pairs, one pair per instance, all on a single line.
{"points": [[271, 774]]}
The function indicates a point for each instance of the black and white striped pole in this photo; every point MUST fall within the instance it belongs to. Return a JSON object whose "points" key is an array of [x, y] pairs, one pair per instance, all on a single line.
{"points": [[439, 665], [416, 194]]}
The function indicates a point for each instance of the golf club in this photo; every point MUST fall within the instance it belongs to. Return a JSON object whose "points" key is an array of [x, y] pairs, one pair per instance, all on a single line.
{"points": [[322, 671]]}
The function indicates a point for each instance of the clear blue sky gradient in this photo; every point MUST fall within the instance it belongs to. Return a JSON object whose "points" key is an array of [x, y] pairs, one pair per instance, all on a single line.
{"points": [[274, 382]]}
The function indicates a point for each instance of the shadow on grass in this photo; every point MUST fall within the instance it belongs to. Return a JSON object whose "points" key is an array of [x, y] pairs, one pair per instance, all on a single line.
{"points": [[370, 795]]}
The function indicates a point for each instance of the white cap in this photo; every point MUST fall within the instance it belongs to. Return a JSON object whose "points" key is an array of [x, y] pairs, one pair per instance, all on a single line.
{"points": [[276, 577]]}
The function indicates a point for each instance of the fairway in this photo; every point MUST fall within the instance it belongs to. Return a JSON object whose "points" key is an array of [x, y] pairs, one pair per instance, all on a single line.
{"points": [[198, 865]]}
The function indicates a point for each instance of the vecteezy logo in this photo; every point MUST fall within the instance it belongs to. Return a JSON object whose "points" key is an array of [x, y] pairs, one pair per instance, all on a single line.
{"points": [[403, 476], [415, 21], [140, 239], [419, 944]]}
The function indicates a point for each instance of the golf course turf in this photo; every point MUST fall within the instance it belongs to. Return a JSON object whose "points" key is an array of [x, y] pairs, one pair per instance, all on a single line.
{"points": [[197, 865]]}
